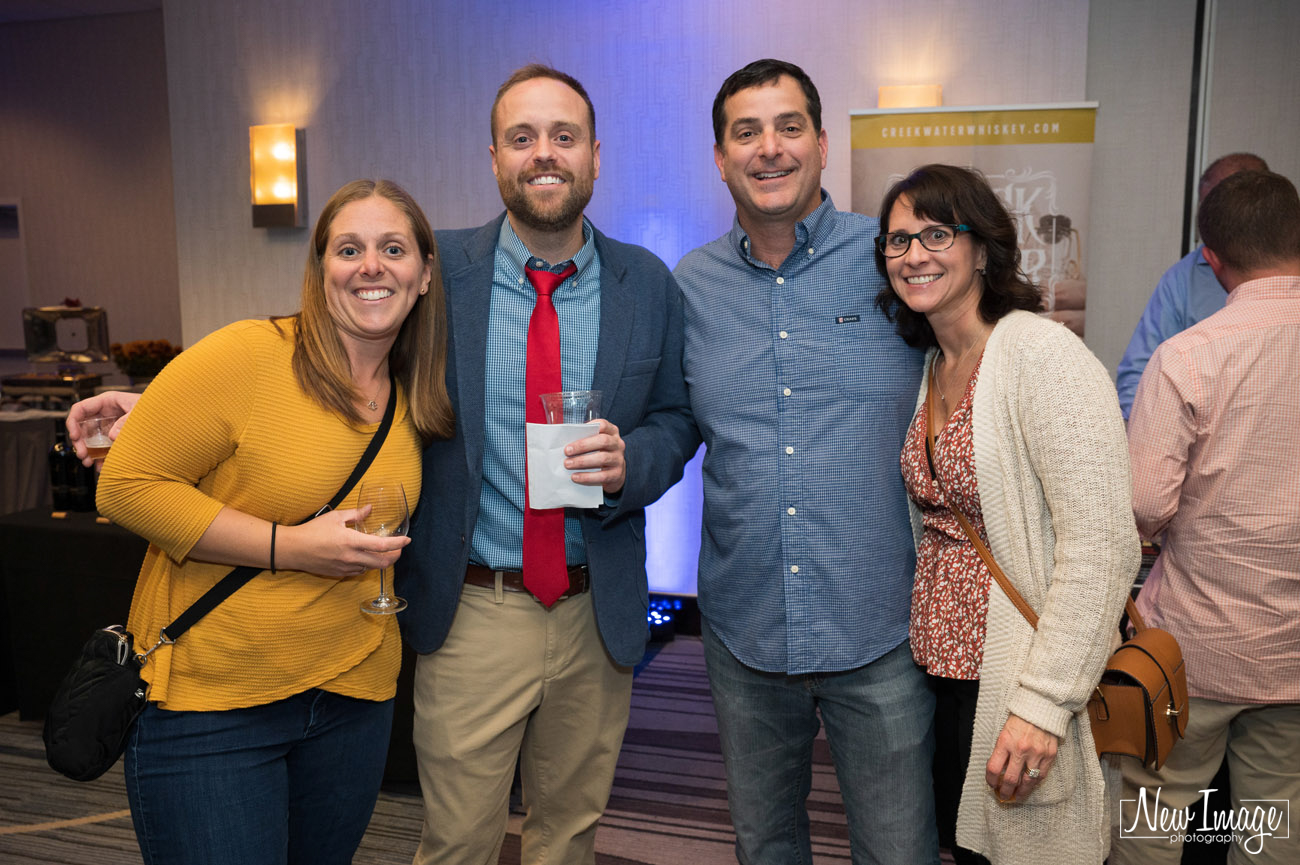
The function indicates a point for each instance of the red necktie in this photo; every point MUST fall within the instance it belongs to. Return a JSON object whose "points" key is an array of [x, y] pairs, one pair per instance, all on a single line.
{"points": [[546, 572]]}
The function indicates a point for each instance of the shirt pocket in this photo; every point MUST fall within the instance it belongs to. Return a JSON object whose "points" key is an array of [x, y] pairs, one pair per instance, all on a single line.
{"points": [[865, 358]]}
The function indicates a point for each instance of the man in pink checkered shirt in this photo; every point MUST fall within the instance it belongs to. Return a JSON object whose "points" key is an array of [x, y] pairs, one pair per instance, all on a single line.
{"points": [[1214, 437]]}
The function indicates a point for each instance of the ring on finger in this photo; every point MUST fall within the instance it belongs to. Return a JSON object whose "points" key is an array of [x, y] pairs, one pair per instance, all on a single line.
{"points": [[1034, 774]]}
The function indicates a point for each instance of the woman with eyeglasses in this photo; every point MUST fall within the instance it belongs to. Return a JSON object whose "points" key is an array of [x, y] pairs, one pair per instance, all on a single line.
{"points": [[1029, 446]]}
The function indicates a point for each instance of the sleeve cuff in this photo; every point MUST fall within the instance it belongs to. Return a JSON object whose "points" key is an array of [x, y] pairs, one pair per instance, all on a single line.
{"points": [[1039, 711]]}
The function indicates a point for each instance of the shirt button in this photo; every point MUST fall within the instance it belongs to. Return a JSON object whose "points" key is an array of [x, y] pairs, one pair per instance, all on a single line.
{"points": [[784, 335], [521, 280], [811, 250], [789, 450], [790, 511], [780, 280], [786, 391], [794, 569]]}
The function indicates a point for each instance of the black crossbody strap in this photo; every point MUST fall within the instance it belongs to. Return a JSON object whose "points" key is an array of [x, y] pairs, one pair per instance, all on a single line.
{"points": [[236, 579]]}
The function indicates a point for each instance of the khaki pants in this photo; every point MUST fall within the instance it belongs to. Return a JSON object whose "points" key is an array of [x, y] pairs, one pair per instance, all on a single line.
{"points": [[1262, 744], [516, 680]]}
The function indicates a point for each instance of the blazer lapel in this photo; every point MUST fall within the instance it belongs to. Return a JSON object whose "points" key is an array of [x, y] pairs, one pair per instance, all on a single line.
{"points": [[617, 317], [469, 300]]}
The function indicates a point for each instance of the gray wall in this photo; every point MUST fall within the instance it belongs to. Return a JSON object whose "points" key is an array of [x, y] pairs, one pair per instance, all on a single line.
{"points": [[93, 112], [402, 89], [1140, 70], [85, 144]]}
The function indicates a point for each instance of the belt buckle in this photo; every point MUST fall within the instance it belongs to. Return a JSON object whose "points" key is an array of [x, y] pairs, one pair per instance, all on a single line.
{"points": [[584, 580]]}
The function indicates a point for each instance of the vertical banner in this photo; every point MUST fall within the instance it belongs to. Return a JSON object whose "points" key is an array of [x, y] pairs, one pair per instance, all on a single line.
{"points": [[1037, 158]]}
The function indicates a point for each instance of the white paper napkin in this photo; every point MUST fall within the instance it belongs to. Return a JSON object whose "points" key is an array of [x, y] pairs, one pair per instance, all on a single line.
{"points": [[549, 483]]}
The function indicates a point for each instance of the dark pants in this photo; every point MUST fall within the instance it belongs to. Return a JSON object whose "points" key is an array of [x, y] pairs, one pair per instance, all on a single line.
{"points": [[954, 723]]}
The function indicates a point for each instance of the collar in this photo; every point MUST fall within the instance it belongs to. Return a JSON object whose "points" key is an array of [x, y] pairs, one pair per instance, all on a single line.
{"points": [[519, 256], [811, 230], [1266, 288]]}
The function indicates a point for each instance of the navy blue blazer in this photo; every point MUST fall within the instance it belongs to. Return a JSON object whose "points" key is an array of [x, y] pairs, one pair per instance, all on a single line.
{"points": [[639, 373]]}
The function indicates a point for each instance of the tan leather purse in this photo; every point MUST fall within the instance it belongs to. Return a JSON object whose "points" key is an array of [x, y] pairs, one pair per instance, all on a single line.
{"points": [[1139, 708]]}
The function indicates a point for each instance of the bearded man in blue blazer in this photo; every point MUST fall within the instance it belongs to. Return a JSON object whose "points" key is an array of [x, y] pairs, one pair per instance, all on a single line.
{"points": [[504, 673]]}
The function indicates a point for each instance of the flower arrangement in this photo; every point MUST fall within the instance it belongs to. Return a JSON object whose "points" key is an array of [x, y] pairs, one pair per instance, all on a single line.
{"points": [[143, 358]]}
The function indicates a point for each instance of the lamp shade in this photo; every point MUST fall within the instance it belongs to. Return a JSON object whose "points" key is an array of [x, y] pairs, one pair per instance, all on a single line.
{"points": [[276, 175]]}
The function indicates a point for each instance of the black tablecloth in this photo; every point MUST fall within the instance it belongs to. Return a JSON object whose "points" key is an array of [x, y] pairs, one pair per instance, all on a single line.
{"points": [[62, 579]]}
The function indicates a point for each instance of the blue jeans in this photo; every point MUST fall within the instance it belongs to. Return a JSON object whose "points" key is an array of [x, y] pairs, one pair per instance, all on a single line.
{"points": [[293, 781], [879, 723]]}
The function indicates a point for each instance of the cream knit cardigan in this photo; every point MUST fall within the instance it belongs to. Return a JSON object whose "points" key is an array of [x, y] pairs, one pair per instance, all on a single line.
{"points": [[1051, 463]]}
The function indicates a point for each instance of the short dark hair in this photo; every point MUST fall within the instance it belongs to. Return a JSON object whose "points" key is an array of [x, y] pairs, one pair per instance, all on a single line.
{"points": [[1226, 166], [952, 195], [764, 72], [1252, 220], [538, 70]]}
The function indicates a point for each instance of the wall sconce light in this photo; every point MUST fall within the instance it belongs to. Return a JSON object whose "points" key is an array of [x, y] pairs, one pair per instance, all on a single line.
{"points": [[909, 96], [278, 175]]}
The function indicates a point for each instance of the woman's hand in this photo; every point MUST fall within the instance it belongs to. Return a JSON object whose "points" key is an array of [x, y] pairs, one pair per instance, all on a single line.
{"points": [[106, 404], [329, 546], [1022, 757]]}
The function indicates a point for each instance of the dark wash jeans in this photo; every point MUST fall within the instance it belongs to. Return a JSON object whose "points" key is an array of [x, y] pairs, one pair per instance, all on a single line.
{"points": [[294, 781]]}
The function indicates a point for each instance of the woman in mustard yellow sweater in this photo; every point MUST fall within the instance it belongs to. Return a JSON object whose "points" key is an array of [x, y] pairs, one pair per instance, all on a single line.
{"points": [[266, 733]]}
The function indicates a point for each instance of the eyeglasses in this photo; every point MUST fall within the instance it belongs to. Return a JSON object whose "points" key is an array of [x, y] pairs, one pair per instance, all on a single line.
{"points": [[935, 238]]}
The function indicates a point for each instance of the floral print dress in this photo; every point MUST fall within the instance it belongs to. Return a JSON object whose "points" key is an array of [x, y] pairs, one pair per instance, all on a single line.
{"points": [[950, 599]]}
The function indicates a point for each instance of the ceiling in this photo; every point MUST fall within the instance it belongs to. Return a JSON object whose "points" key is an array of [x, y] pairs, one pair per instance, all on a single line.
{"points": [[13, 11]]}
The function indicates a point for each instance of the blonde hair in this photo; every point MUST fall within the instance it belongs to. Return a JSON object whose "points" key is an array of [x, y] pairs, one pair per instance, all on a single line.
{"points": [[418, 359]]}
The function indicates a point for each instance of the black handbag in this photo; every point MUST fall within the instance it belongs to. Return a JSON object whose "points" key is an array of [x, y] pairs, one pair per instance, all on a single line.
{"points": [[97, 703]]}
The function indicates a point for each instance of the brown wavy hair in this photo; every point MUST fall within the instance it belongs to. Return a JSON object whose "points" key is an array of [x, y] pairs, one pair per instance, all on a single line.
{"points": [[418, 359], [959, 196]]}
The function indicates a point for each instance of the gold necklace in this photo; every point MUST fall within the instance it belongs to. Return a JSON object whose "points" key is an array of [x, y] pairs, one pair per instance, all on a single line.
{"points": [[373, 404], [978, 345]]}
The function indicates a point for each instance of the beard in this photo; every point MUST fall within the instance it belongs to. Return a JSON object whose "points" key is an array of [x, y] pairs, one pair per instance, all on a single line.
{"points": [[553, 216]]}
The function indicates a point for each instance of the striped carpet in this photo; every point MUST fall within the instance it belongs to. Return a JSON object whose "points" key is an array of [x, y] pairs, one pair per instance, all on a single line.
{"points": [[668, 805]]}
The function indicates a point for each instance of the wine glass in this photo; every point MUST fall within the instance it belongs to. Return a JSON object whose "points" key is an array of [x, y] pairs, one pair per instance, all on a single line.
{"points": [[389, 516]]}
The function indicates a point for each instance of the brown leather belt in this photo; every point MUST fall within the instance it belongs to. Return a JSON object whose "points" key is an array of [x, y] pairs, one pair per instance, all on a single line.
{"points": [[513, 581]]}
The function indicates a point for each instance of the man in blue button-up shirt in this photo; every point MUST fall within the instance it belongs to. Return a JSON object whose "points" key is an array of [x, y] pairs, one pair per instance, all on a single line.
{"points": [[803, 392], [1189, 291]]}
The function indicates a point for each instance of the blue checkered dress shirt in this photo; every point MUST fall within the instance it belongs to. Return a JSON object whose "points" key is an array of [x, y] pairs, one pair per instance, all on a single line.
{"points": [[803, 393], [498, 534]]}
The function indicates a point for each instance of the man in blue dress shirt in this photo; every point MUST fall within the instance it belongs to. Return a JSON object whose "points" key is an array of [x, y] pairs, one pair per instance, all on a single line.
{"points": [[1187, 293], [501, 676], [803, 392]]}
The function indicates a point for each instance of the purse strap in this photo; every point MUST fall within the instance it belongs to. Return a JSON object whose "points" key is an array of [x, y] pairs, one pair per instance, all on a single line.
{"points": [[1012, 593], [237, 578]]}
